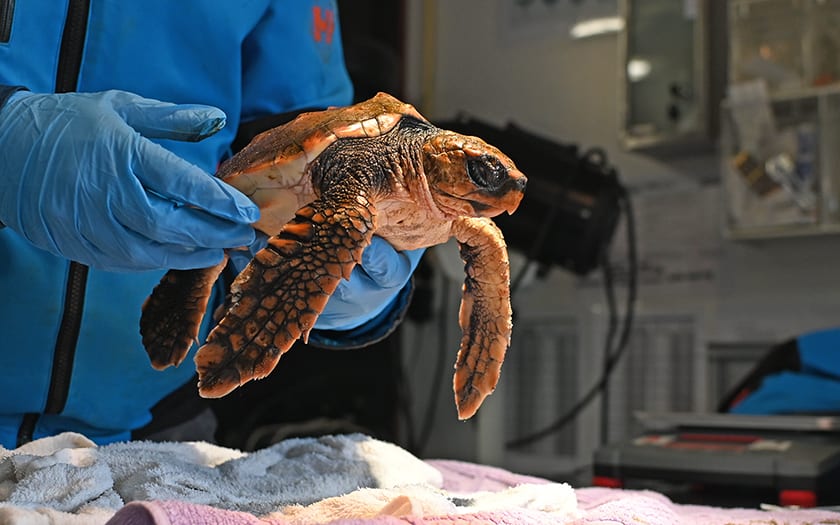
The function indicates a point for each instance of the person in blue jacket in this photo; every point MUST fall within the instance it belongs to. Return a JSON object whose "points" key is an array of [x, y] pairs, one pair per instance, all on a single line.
{"points": [[113, 116]]}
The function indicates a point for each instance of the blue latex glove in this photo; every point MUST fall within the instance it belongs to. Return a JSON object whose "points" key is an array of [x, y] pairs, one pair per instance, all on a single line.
{"points": [[80, 178], [373, 284]]}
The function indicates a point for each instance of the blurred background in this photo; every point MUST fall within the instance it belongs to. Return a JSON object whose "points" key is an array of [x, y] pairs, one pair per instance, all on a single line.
{"points": [[681, 217]]}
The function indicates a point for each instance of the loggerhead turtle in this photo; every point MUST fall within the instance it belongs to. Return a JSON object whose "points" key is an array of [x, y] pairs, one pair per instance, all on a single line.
{"points": [[325, 183]]}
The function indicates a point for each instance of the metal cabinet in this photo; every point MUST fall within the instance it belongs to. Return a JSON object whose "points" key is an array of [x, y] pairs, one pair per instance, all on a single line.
{"points": [[671, 74]]}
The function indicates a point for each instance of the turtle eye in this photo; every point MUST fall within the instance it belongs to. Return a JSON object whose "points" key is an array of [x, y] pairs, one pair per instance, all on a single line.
{"points": [[486, 172]]}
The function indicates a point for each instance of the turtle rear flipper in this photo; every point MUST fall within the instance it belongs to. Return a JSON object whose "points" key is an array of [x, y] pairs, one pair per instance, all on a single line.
{"points": [[171, 316], [280, 294], [485, 314]]}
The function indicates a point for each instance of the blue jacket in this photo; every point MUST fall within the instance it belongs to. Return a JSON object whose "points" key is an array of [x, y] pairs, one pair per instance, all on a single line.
{"points": [[251, 58], [810, 386]]}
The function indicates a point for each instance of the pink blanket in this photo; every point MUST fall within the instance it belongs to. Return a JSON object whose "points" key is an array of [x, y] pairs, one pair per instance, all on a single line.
{"points": [[467, 485]]}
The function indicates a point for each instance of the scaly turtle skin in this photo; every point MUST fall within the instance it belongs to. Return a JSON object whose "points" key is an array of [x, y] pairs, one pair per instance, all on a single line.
{"points": [[325, 183]]}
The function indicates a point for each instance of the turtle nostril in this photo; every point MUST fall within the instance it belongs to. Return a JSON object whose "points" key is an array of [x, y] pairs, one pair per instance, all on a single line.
{"points": [[515, 184]]}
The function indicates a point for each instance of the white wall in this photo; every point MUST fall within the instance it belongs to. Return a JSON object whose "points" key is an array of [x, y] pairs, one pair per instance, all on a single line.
{"points": [[546, 82], [462, 58]]}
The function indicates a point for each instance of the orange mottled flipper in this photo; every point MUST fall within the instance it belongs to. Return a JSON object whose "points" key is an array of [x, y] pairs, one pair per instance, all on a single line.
{"points": [[280, 294], [173, 312], [485, 314]]}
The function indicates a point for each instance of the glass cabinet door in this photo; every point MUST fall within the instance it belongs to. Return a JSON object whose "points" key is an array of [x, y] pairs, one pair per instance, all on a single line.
{"points": [[663, 75]]}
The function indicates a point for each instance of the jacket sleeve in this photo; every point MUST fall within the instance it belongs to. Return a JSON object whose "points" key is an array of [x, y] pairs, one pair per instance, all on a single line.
{"points": [[372, 331], [8, 91]]}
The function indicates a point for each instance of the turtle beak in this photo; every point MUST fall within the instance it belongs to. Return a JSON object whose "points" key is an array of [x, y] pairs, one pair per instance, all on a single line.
{"points": [[514, 190], [505, 198]]}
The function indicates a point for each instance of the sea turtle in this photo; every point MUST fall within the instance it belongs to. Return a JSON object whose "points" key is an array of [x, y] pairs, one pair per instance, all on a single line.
{"points": [[325, 183]]}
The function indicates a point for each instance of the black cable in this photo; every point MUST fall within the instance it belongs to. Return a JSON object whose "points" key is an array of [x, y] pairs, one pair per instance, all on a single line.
{"points": [[632, 278], [614, 357], [612, 327], [597, 156]]}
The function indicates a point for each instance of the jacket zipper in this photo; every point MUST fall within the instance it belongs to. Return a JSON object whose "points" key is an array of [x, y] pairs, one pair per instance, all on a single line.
{"points": [[68, 336], [72, 46], [67, 78], [7, 11]]}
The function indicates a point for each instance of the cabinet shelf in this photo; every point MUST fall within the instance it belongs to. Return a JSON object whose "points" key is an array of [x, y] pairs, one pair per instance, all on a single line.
{"points": [[781, 165]]}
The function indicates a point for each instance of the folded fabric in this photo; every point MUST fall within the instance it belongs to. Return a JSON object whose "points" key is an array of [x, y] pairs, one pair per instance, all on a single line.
{"points": [[332, 480], [542, 504], [70, 474], [463, 476]]}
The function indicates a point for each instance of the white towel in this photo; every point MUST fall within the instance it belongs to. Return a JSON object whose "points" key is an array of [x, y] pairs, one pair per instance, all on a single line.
{"points": [[70, 474]]}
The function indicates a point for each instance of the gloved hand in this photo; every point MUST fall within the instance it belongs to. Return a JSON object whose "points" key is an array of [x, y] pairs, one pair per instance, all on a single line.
{"points": [[80, 178], [372, 287], [373, 284]]}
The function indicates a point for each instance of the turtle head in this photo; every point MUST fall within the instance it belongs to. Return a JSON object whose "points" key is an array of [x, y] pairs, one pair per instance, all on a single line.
{"points": [[468, 177]]}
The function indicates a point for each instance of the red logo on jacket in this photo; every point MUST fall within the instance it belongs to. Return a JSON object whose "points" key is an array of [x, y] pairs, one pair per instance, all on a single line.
{"points": [[323, 24]]}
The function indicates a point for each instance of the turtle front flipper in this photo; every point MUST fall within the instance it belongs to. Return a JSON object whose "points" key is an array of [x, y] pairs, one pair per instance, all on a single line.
{"points": [[485, 314], [280, 294], [171, 316]]}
